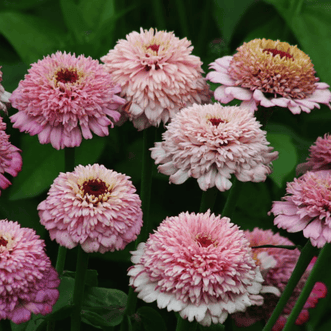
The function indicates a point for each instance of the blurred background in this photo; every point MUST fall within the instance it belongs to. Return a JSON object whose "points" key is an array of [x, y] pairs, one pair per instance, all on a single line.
{"points": [[32, 29]]}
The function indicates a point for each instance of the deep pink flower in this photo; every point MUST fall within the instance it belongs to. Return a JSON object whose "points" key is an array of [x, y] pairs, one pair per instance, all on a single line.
{"points": [[307, 207], [269, 73], [199, 265], [28, 282], [94, 207], [4, 96], [158, 76], [64, 98], [277, 276], [10, 157], [212, 142], [319, 157]]}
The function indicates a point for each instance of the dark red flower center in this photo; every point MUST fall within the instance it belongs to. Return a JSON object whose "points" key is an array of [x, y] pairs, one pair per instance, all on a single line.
{"points": [[3, 242], [275, 52], [95, 187], [215, 121], [204, 241], [154, 47], [66, 75]]}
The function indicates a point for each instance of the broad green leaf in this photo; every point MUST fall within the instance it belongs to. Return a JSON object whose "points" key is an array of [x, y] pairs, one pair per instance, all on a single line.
{"points": [[21, 5], [151, 319], [99, 296], [228, 13], [42, 164], [31, 36], [287, 159]]}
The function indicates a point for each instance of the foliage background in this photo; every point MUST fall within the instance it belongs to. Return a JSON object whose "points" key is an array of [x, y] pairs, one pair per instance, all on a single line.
{"points": [[31, 29]]}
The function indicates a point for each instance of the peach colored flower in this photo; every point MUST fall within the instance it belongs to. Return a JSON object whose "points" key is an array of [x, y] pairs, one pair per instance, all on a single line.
{"points": [[269, 73], [199, 265], [65, 97], [307, 207], [158, 76], [28, 282], [10, 157], [94, 207], [212, 142]]}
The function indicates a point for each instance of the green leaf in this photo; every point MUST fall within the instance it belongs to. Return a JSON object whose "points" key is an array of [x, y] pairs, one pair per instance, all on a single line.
{"points": [[228, 14], [91, 278], [287, 159], [38, 173], [31, 36], [151, 319], [103, 307]]}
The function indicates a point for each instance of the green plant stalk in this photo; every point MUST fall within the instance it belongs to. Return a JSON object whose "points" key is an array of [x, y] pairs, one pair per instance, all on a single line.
{"points": [[185, 325], [145, 196], [81, 267], [323, 259], [307, 253], [208, 199], [232, 199], [182, 13], [159, 15]]}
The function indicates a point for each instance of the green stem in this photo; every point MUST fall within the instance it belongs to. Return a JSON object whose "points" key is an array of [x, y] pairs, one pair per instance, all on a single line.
{"points": [[232, 199], [159, 15], [290, 247], [323, 259], [307, 253], [185, 325], [81, 267], [182, 13], [208, 199]]}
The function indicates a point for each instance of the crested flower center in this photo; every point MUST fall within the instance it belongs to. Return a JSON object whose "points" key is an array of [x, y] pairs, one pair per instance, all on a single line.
{"points": [[95, 187], [67, 75], [3, 242], [275, 52], [216, 121], [204, 240], [273, 67]]}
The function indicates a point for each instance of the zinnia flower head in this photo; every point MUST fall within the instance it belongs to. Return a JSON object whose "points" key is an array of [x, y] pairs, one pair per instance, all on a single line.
{"points": [[10, 157], [199, 265], [307, 207], [277, 276], [158, 76], [4, 96], [269, 73], [211, 142], [319, 157], [28, 282], [65, 97], [94, 207]]}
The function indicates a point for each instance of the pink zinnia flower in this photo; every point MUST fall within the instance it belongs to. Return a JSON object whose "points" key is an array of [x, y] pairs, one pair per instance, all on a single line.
{"points": [[64, 98], [158, 75], [269, 73], [277, 276], [307, 207], [94, 207], [210, 143], [4, 96], [10, 157], [199, 265], [28, 282], [319, 157]]}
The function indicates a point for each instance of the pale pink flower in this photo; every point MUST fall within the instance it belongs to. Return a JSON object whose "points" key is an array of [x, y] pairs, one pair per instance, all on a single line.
{"points": [[269, 73], [199, 265], [307, 207], [65, 97], [28, 282], [277, 276], [94, 207], [319, 157], [158, 76], [4, 96], [10, 157], [212, 142]]}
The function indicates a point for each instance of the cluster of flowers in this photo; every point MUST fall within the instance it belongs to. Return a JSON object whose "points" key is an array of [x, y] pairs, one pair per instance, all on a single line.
{"points": [[200, 265]]}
